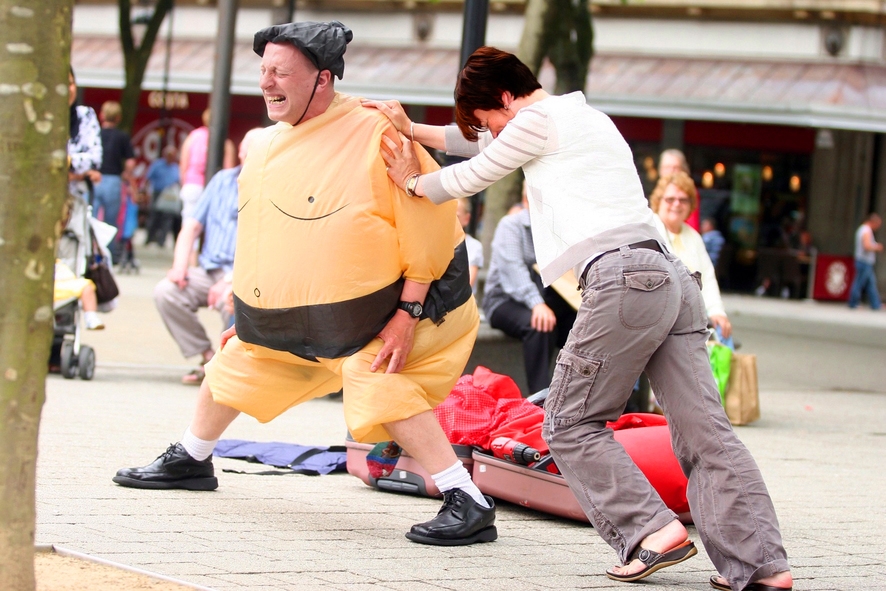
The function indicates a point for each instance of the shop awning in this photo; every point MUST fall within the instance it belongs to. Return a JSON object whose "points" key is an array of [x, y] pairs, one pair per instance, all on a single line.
{"points": [[838, 95]]}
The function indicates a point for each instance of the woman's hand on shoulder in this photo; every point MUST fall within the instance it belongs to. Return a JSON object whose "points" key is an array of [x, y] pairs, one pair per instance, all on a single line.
{"points": [[393, 110]]}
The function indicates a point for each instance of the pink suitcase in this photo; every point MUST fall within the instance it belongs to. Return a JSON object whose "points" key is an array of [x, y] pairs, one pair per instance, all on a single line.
{"points": [[408, 476], [533, 488], [536, 488]]}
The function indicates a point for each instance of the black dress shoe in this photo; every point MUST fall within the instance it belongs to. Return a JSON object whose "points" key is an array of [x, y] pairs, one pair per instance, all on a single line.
{"points": [[460, 521], [174, 468]]}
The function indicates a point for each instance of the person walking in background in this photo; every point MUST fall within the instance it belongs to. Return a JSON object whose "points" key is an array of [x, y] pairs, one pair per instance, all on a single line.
{"points": [[162, 173], [185, 289], [673, 160], [474, 246], [118, 162], [641, 309], [516, 302], [192, 166], [866, 249], [712, 238]]}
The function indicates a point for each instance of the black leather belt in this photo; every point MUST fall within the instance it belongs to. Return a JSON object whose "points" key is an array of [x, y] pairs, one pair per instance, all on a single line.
{"points": [[648, 244]]}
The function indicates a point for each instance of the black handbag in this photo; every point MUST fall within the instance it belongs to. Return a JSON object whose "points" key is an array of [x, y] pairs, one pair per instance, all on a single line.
{"points": [[100, 274]]}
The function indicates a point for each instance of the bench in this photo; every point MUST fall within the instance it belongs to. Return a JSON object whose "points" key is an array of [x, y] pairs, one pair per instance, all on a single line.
{"points": [[500, 353]]}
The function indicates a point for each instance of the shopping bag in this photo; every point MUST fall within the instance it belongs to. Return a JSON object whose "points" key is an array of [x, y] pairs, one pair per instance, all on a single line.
{"points": [[105, 287], [721, 364], [169, 200], [98, 271], [742, 396]]}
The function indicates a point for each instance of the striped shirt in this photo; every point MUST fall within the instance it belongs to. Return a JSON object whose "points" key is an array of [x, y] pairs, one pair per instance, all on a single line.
{"points": [[217, 213], [585, 196]]}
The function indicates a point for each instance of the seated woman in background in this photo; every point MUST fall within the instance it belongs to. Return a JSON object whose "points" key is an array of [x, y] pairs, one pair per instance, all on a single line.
{"points": [[673, 200]]}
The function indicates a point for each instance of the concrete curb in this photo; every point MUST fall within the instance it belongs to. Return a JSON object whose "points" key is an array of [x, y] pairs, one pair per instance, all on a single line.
{"points": [[62, 551]]}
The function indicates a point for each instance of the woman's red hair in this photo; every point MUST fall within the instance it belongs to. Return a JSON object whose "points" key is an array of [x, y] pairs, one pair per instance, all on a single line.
{"points": [[488, 74]]}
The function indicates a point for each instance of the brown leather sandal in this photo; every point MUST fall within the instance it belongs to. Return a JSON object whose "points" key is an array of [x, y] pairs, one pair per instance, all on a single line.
{"points": [[654, 561]]}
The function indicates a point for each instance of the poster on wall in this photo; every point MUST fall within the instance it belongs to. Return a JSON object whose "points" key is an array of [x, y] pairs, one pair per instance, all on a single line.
{"points": [[744, 204]]}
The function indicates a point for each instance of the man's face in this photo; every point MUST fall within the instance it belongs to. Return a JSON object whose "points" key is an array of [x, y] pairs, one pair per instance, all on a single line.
{"points": [[287, 79], [669, 165]]}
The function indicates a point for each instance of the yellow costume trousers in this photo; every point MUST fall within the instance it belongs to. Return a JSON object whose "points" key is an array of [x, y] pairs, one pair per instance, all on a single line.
{"points": [[264, 383]]}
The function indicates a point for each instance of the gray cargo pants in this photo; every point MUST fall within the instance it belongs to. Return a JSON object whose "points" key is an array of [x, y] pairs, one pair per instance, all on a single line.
{"points": [[642, 309]]}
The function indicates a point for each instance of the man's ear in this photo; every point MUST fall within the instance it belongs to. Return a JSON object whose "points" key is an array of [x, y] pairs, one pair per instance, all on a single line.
{"points": [[324, 80], [506, 99]]}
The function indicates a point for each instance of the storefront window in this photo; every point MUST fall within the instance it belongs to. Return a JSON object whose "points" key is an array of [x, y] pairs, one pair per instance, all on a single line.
{"points": [[758, 201]]}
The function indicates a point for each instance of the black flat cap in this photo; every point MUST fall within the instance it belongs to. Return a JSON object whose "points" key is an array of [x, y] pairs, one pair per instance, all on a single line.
{"points": [[322, 43]]}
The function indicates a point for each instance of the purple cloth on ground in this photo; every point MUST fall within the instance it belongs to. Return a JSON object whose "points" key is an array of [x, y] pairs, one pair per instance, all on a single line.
{"points": [[302, 459]]}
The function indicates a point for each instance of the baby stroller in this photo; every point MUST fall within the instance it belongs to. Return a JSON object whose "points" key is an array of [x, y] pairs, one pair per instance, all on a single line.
{"points": [[78, 245]]}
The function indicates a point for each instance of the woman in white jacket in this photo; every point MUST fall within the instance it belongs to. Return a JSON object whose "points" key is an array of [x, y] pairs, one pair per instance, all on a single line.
{"points": [[641, 310], [673, 200]]}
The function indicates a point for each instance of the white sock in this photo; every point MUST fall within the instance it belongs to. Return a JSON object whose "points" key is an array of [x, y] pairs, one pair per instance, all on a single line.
{"points": [[456, 476], [199, 449]]}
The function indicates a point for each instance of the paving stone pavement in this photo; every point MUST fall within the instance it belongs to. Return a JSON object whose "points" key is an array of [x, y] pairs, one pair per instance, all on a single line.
{"points": [[820, 450]]}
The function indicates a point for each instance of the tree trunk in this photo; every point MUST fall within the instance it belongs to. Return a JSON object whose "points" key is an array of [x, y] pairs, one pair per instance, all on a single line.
{"points": [[571, 45], [33, 181], [135, 58], [561, 31]]}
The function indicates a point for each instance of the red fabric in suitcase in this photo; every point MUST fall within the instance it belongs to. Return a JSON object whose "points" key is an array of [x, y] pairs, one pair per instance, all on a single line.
{"points": [[487, 405]]}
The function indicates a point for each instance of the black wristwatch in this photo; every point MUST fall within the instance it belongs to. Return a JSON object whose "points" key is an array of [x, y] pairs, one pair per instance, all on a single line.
{"points": [[414, 308]]}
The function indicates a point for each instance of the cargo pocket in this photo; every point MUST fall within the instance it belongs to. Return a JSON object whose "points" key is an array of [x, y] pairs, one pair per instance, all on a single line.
{"points": [[574, 380], [643, 299]]}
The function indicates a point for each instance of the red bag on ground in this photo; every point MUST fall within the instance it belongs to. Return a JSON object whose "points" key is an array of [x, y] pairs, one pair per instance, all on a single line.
{"points": [[647, 440], [487, 405]]}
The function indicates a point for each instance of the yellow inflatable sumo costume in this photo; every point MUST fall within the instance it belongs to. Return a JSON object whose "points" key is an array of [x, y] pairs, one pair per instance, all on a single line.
{"points": [[325, 240]]}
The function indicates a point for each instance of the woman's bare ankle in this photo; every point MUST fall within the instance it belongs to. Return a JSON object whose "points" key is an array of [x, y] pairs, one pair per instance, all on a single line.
{"points": [[666, 538], [783, 580]]}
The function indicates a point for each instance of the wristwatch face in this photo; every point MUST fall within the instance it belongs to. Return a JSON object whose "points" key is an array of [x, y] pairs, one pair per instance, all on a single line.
{"points": [[414, 308]]}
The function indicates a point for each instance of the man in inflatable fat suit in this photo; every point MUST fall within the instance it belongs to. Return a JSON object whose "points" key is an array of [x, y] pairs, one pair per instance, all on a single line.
{"points": [[338, 284]]}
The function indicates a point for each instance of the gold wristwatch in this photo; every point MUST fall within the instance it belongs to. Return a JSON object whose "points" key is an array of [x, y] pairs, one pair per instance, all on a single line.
{"points": [[411, 183]]}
